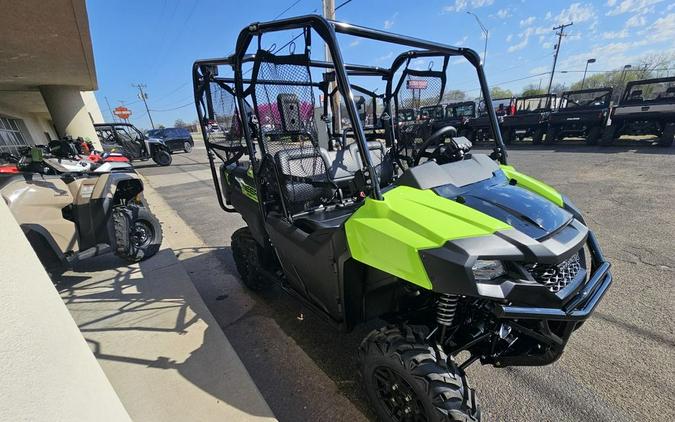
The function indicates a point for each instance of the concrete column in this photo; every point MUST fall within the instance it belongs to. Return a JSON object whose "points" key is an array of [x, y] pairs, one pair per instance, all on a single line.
{"points": [[69, 113]]}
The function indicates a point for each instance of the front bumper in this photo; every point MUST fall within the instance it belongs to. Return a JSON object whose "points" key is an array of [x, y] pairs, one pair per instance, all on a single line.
{"points": [[581, 305]]}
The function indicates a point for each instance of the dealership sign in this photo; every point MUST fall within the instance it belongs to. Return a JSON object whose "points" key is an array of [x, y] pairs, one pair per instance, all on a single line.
{"points": [[416, 84], [122, 112]]}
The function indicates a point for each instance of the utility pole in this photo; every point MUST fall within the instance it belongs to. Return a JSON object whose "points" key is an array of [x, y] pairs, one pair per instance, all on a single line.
{"points": [[329, 13], [110, 110], [143, 96], [560, 34]]}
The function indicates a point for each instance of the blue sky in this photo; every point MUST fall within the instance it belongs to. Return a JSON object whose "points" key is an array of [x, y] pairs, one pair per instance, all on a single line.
{"points": [[155, 41]]}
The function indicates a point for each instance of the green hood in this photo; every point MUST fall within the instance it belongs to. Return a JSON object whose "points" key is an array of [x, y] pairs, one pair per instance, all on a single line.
{"points": [[389, 234]]}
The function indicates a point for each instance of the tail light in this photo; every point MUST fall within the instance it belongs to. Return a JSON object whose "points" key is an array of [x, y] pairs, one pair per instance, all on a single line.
{"points": [[9, 169], [512, 109]]}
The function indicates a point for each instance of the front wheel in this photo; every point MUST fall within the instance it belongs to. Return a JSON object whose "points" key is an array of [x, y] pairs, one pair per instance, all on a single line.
{"points": [[667, 136], [593, 135], [407, 379], [251, 260], [187, 147], [608, 136], [138, 234], [507, 136], [162, 157]]}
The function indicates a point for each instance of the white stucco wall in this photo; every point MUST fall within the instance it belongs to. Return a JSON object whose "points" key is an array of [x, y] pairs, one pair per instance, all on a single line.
{"points": [[47, 371], [36, 124], [92, 106]]}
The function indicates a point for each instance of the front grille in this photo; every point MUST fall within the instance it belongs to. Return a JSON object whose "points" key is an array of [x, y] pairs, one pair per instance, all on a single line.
{"points": [[558, 276]]}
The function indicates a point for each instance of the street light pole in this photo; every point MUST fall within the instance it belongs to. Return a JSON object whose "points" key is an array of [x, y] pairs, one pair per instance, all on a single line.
{"points": [[589, 61], [485, 32]]}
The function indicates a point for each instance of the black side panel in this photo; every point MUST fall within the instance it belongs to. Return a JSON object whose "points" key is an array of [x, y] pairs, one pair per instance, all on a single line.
{"points": [[310, 263]]}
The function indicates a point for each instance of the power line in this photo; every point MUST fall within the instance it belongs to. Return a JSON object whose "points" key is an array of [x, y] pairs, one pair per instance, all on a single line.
{"points": [[143, 96], [175, 108], [286, 10], [344, 3]]}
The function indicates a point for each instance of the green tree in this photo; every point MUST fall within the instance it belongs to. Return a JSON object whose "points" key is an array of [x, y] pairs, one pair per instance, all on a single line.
{"points": [[497, 92], [454, 95], [179, 123], [532, 89]]}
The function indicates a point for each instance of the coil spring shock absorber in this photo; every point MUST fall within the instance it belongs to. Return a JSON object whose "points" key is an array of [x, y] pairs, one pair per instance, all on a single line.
{"points": [[446, 305]]}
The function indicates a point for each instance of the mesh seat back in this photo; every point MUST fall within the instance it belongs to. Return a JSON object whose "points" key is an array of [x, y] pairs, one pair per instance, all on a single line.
{"points": [[288, 132]]}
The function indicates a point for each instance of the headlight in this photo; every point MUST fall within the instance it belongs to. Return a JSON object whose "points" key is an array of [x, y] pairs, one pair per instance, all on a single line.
{"points": [[485, 270]]}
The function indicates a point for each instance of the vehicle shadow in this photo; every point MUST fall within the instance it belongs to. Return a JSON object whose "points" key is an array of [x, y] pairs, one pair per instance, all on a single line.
{"points": [[276, 366], [144, 315]]}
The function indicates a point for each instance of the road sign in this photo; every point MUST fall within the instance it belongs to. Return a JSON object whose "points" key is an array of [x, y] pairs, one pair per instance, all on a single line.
{"points": [[416, 84], [122, 112]]}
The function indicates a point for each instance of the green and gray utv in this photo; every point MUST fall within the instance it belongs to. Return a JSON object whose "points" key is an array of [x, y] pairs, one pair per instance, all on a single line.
{"points": [[454, 252]]}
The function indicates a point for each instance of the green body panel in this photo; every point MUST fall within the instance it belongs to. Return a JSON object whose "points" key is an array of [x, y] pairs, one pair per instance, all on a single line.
{"points": [[389, 234], [533, 185]]}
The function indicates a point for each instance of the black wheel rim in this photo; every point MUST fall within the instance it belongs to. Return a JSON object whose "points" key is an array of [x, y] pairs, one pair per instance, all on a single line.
{"points": [[141, 234], [397, 396]]}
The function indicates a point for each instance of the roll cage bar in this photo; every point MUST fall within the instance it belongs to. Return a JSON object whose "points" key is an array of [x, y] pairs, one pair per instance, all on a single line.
{"points": [[327, 30]]}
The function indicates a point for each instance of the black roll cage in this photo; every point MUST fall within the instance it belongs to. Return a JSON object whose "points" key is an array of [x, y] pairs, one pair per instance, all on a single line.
{"points": [[203, 73]]}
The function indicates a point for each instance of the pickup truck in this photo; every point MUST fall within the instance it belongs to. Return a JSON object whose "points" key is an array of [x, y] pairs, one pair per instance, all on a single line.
{"points": [[581, 113], [647, 107]]}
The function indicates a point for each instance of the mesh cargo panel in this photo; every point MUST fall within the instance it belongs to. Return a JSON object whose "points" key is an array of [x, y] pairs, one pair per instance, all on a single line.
{"points": [[419, 91], [228, 131], [286, 117]]}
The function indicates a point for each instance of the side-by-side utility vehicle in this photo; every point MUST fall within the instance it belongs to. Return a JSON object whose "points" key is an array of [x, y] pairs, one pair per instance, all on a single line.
{"points": [[529, 119], [125, 139], [452, 251], [647, 107], [581, 113]]}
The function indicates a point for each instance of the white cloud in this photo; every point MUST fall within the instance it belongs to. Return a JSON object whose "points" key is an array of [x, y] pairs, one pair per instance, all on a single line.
{"points": [[636, 21], [663, 29], [528, 21], [548, 16], [610, 35], [577, 13], [509, 38], [522, 44], [461, 5], [503, 13], [462, 41], [354, 43], [631, 6], [391, 21]]}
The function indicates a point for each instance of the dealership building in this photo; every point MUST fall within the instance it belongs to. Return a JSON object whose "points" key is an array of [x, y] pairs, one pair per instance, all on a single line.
{"points": [[47, 73]]}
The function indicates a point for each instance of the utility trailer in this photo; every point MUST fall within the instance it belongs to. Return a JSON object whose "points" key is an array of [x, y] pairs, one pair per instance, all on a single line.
{"points": [[647, 107], [581, 113]]}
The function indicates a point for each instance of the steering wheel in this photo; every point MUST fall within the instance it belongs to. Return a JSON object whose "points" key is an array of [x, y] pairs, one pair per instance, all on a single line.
{"points": [[434, 140]]}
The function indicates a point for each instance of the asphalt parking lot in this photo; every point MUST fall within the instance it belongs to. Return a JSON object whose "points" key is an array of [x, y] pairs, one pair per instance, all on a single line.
{"points": [[619, 367]]}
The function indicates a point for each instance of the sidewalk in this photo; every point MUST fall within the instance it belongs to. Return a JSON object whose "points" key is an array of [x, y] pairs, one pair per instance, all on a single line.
{"points": [[157, 342]]}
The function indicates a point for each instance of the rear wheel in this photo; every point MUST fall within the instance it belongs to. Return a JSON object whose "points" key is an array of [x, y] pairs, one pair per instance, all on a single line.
{"points": [[408, 380], [593, 135], [552, 135], [667, 136], [250, 259], [187, 146], [161, 157], [608, 136], [538, 136]]}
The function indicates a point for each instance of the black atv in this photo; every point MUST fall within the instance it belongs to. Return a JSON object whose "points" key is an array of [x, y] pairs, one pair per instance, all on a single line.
{"points": [[453, 252], [530, 118], [581, 113], [647, 107], [479, 128]]}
